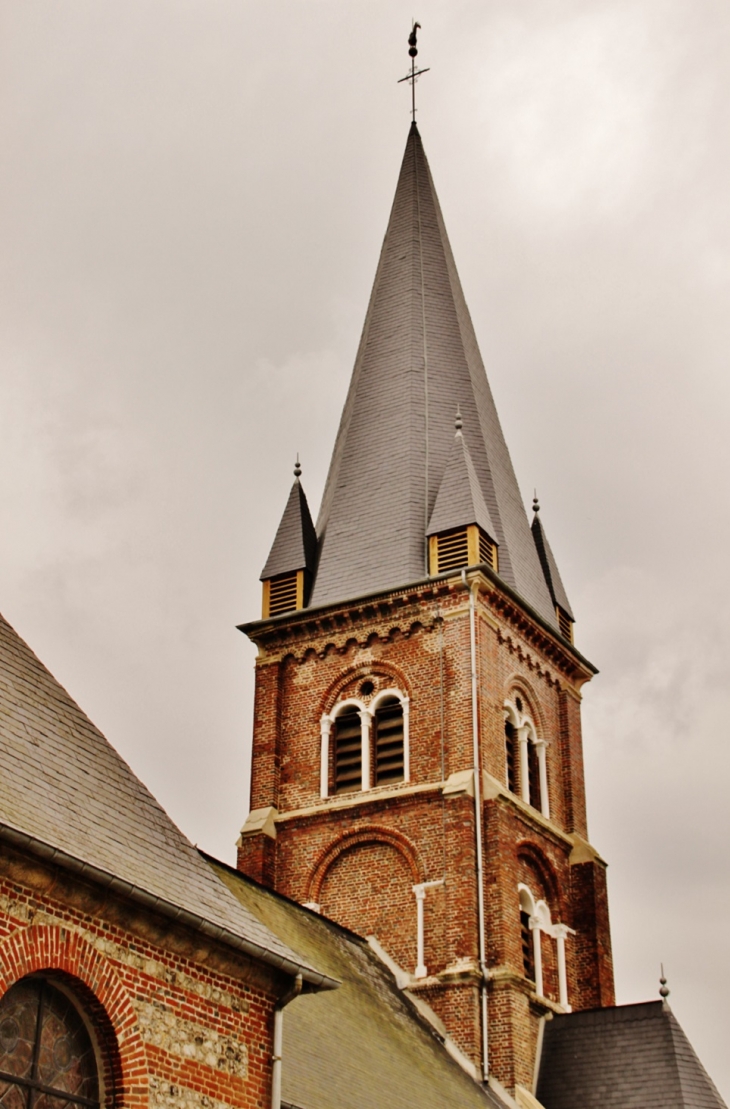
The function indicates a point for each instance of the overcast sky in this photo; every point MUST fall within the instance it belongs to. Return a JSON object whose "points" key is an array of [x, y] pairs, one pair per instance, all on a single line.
{"points": [[194, 194]]}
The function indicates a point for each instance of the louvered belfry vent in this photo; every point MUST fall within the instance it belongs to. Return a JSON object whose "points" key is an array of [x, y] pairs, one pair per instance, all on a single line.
{"points": [[389, 740], [565, 624], [487, 550], [348, 751], [282, 594], [528, 948], [452, 550], [510, 754], [461, 547]]}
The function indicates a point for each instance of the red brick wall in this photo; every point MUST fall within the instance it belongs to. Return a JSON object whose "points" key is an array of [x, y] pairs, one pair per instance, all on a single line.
{"points": [[359, 854], [171, 1031]]}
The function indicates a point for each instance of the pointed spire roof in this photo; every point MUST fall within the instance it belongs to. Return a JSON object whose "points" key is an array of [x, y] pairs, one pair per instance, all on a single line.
{"points": [[418, 355], [295, 545], [460, 500], [548, 563]]}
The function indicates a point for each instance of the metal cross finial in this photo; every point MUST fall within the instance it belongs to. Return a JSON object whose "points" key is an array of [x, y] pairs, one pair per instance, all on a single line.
{"points": [[415, 73]]}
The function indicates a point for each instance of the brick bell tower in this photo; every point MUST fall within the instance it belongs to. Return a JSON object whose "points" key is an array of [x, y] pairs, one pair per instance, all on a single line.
{"points": [[417, 763]]}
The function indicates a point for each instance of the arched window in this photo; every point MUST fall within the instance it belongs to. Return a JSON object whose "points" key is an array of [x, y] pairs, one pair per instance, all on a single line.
{"points": [[528, 947], [348, 750], [525, 757], [511, 755], [389, 746], [47, 1060]]}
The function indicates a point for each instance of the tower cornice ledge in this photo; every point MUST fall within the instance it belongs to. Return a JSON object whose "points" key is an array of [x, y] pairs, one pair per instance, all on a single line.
{"points": [[279, 635]]}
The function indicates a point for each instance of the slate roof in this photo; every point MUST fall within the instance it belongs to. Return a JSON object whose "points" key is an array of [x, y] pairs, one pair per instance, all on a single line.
{"points": [[295, 545], [627, 1057], [66, 793], [550, 567], [418, 358], [460, 501], [363, 1046]]}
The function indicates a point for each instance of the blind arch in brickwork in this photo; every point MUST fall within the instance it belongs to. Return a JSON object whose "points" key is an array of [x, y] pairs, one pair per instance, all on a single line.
{"points": [[370, 834]]}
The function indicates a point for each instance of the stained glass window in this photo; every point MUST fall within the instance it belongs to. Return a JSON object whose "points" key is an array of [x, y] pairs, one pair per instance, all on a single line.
{"points": [[46, 1057]]}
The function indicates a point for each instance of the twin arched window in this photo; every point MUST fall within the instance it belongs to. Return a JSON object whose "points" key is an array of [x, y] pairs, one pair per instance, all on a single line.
{"points": [[525, 757], [536, 921], [365, 745], [47, 1060]]}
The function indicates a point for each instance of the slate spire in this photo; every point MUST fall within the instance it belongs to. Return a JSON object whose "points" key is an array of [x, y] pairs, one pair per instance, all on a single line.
{"points": [[418, 354], [295, 545]]}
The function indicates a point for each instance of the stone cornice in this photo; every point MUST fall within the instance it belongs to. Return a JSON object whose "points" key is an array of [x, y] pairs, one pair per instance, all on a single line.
{"points": [[408, 610]]}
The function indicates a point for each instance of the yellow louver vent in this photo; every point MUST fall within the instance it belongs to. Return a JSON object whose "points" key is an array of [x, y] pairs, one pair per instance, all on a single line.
{"points": [[488, 551], [454, 550], [283, 594], [565, 624]]}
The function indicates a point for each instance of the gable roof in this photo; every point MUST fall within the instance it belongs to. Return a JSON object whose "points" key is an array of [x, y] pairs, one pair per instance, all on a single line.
{"points": [[295, 545], [549, 566], [418, 358], [67, 795], [627, 1057], [364, 1045], [460, 501]]}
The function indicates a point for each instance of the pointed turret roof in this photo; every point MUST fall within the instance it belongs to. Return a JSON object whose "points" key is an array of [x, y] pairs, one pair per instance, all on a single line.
{"points": [[548, 563], [295, 545], [460, 500], [418, 357]]}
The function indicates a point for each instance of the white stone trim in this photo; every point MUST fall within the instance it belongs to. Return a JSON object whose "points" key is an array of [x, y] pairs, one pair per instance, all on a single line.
{"points": [[324, 756], [366, 720], [420, 892]]}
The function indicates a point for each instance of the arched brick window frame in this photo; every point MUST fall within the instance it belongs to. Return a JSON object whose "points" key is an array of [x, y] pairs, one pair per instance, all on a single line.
{"points": [[536, 912], [63, 953], [372, 834], [532, 758], [366, 711]]}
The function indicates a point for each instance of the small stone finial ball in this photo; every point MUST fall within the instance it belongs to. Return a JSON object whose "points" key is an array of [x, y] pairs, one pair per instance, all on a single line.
{"points": [[663, 988], [535, 504], [458, 422], [297, 468]]}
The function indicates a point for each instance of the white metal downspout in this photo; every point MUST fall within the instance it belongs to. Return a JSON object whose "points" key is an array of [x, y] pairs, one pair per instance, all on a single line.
{"points": [[279, 1040], [478, 822]]}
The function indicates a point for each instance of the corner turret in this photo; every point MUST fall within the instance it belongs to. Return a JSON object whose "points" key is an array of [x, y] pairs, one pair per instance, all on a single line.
{"points": [[287, 575]]}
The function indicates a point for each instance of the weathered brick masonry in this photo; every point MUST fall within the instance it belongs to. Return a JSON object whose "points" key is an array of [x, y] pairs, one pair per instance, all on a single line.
{"points": [[358, 855], [179, 1020]]}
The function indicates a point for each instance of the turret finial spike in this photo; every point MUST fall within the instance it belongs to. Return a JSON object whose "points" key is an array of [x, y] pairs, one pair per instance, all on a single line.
{"points": [[663, 988], [458, 422], [535, 503], [297, 468]]}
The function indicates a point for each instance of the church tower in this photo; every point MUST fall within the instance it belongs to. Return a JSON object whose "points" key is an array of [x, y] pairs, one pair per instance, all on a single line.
{"points": [[417, 764]]}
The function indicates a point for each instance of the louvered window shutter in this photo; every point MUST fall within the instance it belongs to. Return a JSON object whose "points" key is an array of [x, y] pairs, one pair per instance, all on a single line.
{"points": [[389, 740], [348, 751]]}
